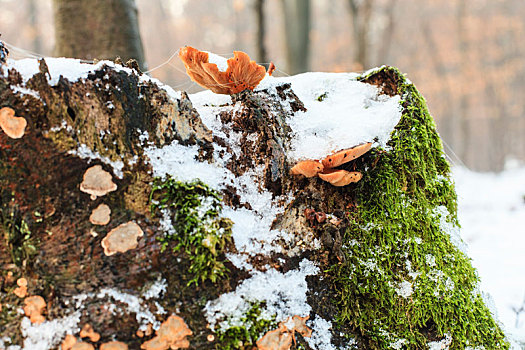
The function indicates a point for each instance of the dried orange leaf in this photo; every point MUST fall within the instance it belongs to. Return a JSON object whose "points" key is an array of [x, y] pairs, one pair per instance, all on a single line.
{"points": [[242, 73]]}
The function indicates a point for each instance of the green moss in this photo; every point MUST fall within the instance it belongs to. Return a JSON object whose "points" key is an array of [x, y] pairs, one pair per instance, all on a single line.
{"points": [[403, 279], [245, 337], [17, 235], [321, 98], [194, 210]]}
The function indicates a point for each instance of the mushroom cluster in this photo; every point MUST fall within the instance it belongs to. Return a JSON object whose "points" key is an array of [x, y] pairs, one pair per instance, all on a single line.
{"points": [[325, 168], [242, 73], [282, 337], [171, 335]]}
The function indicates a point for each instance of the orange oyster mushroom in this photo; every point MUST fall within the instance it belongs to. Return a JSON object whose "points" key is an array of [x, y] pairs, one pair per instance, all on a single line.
{"points": [[308, 168], [88, 332], [171, 335], [346, 155], [114, 345], [122, 238], [13, 126], [34, 306], [68, 342], [340, 177], [97, 182], [241, 74]]}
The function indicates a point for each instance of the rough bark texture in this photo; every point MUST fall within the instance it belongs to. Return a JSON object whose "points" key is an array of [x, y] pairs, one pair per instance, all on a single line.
{"points": [[48, 239], [98, 29]]}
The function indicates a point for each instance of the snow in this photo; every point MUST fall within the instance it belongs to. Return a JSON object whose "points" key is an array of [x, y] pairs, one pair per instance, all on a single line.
{"points": [[443, 344], [283, 293], [321, 335], [156, 289], [404, 289], [221, 62], [48, 334], [492, 215], [85, 152], [352, 113], [73, 70]]}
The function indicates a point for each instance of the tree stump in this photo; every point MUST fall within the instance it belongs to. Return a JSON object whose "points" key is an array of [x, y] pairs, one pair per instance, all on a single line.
{"points": [[371, 265]]}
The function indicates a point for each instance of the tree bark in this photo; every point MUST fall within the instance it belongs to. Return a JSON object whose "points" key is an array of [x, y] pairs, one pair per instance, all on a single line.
{"points": [[297, 30], [262, 59], [361, 12], [98, 29]]}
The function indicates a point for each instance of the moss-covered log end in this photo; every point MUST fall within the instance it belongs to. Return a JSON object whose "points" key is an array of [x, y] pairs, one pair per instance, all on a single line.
{"points": [[405, 281]]}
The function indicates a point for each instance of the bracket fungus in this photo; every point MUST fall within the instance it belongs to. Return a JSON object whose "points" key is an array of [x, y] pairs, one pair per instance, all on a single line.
{"points": [[122, 238], [282, 337], [346, 155], [308, 168], [339, 177], [325, 168], [100, 215], [171, 335], [97, 182], [34, 306], [13, 126], [241, 74]]}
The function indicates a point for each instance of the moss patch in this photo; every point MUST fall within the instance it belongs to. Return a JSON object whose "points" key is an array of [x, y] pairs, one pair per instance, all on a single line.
{"points": [[245, 337], [191, 216], [404, 283]]}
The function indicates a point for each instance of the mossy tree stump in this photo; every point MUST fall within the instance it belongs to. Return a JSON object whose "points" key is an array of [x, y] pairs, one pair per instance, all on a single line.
{"points": [[392, 277]]}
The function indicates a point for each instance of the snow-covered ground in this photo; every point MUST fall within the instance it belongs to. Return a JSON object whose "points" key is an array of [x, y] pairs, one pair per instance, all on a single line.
{"points": [[492, 215]]}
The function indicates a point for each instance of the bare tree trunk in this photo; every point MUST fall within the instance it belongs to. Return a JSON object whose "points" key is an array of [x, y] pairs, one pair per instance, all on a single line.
{"points": [[101, 29], [446, 131], [461, 132], [33, 20], [261, 33], [384, 50], [361, 11], [297, 29]]}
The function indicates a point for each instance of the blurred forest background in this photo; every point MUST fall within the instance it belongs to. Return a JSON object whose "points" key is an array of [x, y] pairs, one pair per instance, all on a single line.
{"points": [[467, 57]]}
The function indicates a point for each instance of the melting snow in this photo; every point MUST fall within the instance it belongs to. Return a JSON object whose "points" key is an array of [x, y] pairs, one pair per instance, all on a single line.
{"points": [[284, 295], [352, 113], [321, 338], [48, 334], [85, 152]]}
